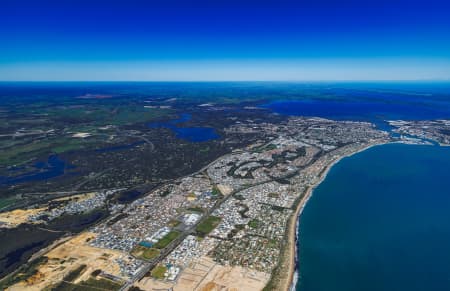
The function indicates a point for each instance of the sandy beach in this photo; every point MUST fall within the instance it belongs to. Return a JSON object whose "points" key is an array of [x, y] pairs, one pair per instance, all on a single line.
{"points": [[287, 282]]}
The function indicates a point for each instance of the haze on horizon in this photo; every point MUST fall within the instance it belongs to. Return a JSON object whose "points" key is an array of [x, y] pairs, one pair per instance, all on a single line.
{"points": [[224, 40]]}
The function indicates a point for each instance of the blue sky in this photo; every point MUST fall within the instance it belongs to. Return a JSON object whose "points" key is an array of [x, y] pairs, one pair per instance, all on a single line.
{"points": [[224, 40]]}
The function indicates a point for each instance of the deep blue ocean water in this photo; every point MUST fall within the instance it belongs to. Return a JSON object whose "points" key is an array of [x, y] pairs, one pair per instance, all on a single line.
{"points": [[375, 110], [379, 221], [193, 134]]}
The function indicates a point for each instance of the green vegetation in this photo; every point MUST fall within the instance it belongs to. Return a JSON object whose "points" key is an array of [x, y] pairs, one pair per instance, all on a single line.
{"points": [[65, 120], [70, 144], [19, 154], [150, 253], [23, 273], [145, 253], [277, 208], [205, 150], [207, 225], [165, 193], [273, 243], [263, 148], [270, 147], [165, 241], [273, 195], [107, 114], [90, 284], [6, 202], [74, 274], [158, 272], [254, 223], [215, 191], [196, 209]]}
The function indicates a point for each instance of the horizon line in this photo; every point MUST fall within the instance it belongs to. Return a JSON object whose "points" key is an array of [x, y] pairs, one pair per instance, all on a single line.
{"points": [[230, 81]]}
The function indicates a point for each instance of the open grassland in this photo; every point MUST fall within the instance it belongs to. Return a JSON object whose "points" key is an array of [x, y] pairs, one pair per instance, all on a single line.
{"points": [[165, 241], [158, 272], [207, 225], [145, 253]]}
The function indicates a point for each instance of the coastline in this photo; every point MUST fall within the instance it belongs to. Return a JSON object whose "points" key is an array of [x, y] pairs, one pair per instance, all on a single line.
{"points": [[289, 283]]}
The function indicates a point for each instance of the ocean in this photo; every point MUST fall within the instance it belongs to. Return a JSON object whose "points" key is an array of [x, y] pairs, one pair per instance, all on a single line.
{"points": [[379, 221]]}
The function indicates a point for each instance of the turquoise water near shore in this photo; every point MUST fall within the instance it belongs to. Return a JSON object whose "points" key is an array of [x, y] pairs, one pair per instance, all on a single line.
{"points": [[379, 221]]}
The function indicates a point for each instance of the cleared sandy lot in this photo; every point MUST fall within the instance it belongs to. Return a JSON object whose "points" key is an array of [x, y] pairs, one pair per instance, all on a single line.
{"points": [[69, 256], [206, 275], [15, 217]]}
